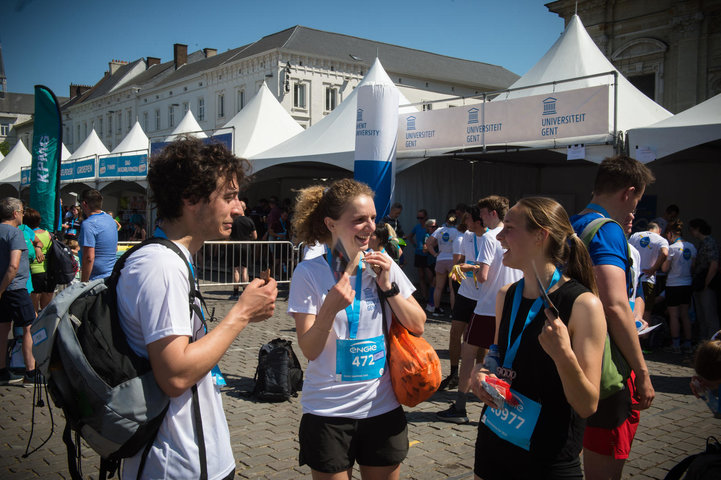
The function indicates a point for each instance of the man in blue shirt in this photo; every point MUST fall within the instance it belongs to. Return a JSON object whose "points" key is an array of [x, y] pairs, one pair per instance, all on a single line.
{"points": [[620, 184], [98, 238]]}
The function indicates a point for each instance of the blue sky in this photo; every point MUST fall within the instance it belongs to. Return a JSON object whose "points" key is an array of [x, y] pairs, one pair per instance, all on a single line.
{"points": [[56, 42]]}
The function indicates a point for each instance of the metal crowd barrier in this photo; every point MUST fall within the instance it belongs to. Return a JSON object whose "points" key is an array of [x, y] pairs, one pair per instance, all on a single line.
{"points": [[215, 261]]}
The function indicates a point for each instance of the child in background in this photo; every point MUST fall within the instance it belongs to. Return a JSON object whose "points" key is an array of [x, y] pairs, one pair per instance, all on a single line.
{"points": [[75, 248], [706, 384]]}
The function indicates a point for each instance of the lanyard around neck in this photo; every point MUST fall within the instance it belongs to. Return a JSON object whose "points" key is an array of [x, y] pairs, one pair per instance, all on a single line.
{"points": [[352, 310], [532, 312], [598, 208]]}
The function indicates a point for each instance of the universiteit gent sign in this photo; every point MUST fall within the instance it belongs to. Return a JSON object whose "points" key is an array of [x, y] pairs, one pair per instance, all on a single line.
{"points": [[573, 113]]}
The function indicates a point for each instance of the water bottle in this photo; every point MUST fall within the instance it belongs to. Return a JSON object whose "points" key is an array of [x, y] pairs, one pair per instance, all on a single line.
{"points": [[493, 359]]}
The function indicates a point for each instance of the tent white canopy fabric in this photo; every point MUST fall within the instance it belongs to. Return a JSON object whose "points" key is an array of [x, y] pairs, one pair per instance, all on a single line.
{"points": [[575, 55], [187, 125], [64, 152], [695, 126], [17, 158], [135, 140], [263, 123], [91, 146], [331, 140], [2, 156]]}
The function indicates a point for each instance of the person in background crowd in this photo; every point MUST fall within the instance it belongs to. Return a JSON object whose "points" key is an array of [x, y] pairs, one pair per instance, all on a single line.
{"points": [[243, 231], [16, 307], [678, 266], [653, 249], [670, 215], [74, 247], [469, 292], [706, 384], [137, 232], [442, 240], [384, 240], [552, 362], [98, 238], [492, 274], [43, 288], [418, 237], [431, 227], [71, 227], [350, 412], [34, 249], [393, 220], [117, 219], [619, 185], [706, 278]]}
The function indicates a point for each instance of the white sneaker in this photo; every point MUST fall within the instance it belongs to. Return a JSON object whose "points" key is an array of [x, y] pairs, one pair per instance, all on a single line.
{"points": [[430, 308]]}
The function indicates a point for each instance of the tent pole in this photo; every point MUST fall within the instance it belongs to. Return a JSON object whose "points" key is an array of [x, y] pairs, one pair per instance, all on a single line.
{"points": [[615, 108]]}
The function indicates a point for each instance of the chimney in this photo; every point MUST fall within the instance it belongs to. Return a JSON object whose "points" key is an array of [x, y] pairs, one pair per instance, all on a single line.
{"points": [[114, 65], [77, 90], [210, 52], [180, 55], [153, 61]]}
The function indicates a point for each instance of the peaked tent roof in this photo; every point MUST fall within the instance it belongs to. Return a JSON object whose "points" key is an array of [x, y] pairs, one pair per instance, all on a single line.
{"points": [[695, 126], [16, 159], [91, 146], [135, 140], [263, 123], [575, 55], [187, 125], [64, 153], [331, 140]]}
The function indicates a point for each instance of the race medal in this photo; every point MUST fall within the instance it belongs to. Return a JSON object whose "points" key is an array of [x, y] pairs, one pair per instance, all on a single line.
{"points": [[515, 424], [358, 360]]}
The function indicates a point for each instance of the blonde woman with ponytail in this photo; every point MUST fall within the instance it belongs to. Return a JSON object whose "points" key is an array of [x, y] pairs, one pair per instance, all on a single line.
{"points": [[552, 362]]}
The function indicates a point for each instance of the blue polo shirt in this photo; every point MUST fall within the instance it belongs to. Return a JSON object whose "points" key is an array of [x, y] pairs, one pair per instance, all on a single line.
{"points": [[100, 232]]}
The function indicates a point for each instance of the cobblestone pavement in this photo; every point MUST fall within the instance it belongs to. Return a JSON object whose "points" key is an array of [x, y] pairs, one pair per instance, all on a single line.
{"points": [[264, 436]]}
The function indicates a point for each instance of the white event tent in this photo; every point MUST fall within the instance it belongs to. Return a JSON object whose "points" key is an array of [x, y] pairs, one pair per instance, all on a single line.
{"points": [[91, 146], [134, 141], [187, 125], [17, 158], [64, 152], [262, 124], [330, 141], [575, 55], [695, 126]]}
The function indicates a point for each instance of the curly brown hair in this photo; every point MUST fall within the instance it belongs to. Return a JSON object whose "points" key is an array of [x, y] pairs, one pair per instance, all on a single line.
{"points": [[315, 203], [188, 169]]}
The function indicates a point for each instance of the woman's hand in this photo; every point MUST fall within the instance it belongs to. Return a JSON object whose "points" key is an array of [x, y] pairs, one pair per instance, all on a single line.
{"points": [[478, 376], [381, 265], [554, 336], [339, 297]]}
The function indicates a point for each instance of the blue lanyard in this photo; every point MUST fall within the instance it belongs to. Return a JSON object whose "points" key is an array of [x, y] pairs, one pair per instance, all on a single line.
{"points": [[535, 308], [475, 245], [599, 209], [352, 310]]}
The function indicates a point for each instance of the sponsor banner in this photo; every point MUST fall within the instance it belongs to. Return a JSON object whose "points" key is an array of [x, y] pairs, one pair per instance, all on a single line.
{"points": [[375, 143], [224, 138], [77, 170], [123, 166], [25, 176], [573, 113]]}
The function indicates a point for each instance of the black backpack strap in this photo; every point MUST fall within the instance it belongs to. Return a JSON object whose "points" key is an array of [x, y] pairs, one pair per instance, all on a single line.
{"points": [[73, 453], [201, 437]]}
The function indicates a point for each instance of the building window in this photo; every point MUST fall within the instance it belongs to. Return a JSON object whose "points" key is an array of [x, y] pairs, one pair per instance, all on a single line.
{"points": [[171, 116], [427, 106], [120, 122], [77, 137], [157, 119], [221, 105], [100, 126], [201, 109], [185, 107], [4, 129], [331, 98], [299, 100], [85, 130], [130, 118], [145, 121], [645, 83], [240, 100]]}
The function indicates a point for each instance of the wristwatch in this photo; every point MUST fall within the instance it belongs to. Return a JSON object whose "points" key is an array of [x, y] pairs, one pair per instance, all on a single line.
{"points": [[392, 292]]}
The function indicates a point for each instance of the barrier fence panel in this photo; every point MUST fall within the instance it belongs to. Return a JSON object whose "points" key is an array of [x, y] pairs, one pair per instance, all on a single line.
{"points": [[225, 263]]}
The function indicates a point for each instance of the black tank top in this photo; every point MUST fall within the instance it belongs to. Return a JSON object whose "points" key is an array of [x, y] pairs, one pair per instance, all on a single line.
{"points": [[558, 435]]}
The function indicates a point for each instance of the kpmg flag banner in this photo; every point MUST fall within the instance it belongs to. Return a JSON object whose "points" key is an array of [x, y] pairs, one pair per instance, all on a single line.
{"points": [[45, 170], [123, 166], [573, 113], [375, 141]]}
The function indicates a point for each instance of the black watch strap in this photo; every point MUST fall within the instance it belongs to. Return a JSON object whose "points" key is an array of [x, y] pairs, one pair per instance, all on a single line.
{"points": [[392, 292]]}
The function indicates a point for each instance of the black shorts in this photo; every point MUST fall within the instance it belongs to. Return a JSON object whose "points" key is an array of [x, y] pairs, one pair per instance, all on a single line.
{"points": [[334, 444], [676, 296], [241, 254], [41, 284], [420, 261], [16, 307], [481, 331], [463, 308], [649, 294]]}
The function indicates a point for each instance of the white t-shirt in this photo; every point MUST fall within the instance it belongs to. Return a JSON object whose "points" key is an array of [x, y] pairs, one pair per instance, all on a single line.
{"points": [[470, 249], [446, 236], [681, 253], [153, 304], [312, 251], [635, 274], [649, 246], [491, 253], [323, 393]]}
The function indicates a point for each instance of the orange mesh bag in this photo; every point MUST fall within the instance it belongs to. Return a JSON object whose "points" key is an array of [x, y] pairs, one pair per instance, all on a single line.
{"points": [[414, 366]]}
